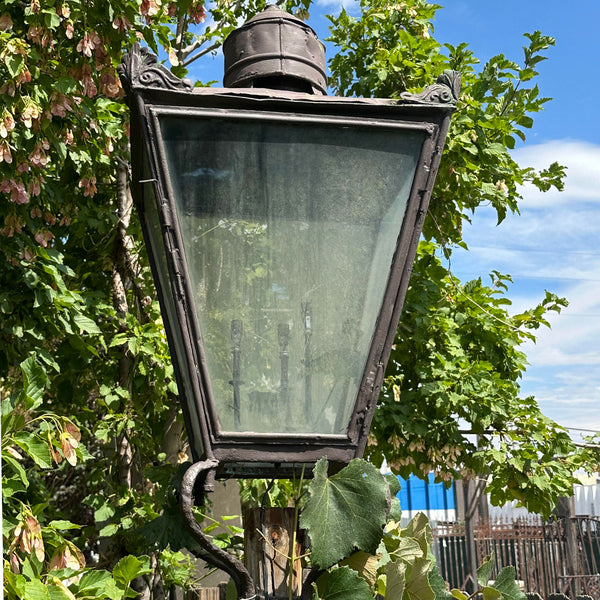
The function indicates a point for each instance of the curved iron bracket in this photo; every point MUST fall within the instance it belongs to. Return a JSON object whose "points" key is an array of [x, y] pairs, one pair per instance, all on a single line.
{"points": [[203, 472]]}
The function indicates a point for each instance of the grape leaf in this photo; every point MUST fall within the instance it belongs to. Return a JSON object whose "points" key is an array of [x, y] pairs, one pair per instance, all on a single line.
{"points": [[395, 572], [505, 583], [345, 511], [343, 584], [484, 572], [438, 584], [417, 580]]}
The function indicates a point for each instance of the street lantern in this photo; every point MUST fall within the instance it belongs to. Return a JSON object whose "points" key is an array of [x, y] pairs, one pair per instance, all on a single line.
{"points": [[281, 225]]}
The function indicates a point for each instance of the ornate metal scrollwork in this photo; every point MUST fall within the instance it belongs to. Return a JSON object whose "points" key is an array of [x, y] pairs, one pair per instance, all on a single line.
{"points": [[444, 91], [140, 68]]}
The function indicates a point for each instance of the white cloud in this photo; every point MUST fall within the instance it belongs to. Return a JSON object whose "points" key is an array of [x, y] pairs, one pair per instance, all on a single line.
{"points": [[575, 335], [554, 244], [556, 235], [582, 160]]}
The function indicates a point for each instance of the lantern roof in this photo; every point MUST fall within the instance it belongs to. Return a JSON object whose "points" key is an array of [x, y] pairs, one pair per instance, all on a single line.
{"points": [[141, 72]]}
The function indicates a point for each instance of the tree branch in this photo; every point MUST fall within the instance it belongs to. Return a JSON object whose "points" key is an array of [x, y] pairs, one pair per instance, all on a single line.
{"points": [[201, 54], [181, 27]]}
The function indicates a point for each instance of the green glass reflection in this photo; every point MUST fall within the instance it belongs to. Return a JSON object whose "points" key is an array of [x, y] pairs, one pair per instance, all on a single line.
{"points": [[289, 231]]}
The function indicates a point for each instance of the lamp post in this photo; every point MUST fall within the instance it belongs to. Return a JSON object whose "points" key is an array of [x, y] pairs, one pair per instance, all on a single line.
{"points": [[281, 225]]}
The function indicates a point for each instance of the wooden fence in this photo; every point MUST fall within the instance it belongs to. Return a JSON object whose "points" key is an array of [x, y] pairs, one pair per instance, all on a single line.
{"points": [[560, 556]]}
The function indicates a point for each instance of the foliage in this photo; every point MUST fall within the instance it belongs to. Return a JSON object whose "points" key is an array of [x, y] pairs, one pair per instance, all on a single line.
{"points": [[276, 493], [92, 436], [473, 421], [358, 490], [399, 566], [390, 49]]}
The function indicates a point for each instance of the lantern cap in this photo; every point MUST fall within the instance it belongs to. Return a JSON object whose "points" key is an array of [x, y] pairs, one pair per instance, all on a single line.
{"points": [[277, 50]]}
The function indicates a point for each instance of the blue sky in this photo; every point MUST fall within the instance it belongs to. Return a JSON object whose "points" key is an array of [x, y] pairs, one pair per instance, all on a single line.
{"points": [[555, 243]]}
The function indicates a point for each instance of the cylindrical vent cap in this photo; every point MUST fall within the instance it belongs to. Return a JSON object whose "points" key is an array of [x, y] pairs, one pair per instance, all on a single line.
{"points": [[277, 50]]}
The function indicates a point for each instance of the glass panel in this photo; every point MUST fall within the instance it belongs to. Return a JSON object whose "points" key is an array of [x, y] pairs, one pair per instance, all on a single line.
{"points": [[289, 232]]}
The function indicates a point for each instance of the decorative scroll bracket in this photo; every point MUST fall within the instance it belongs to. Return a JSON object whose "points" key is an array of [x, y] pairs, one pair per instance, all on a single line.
{"points": [[202, 472], [140, 68], [445, 90]]}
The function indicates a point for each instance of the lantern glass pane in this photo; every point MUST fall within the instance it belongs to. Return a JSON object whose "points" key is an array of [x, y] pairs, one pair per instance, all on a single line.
{"points": [[289, 230]]}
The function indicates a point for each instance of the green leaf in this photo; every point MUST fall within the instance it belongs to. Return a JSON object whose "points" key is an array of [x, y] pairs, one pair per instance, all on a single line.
{"points": [[484, 572], [343, 584], [345, 511], [490, 593], [10, 487], [85, 324], [393, 482], [505, 583], [66, 85], [51, 19], [438, 584], [458, 594], [7, 525], [19, 470], [364, 564], [35, 447], [60, 592], [395, 510], [419, 529], [36, 590], [134, 344], [104, 512], [395, 573], [118, 340], [95, 581], [417, 580], [13, 583], [408, 550], [34, 381], [108, 530], [130, 567], [61, 525], [13, 63]]}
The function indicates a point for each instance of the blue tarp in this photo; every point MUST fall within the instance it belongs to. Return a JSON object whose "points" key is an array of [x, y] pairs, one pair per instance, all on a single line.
{"points": [[416, 494]]}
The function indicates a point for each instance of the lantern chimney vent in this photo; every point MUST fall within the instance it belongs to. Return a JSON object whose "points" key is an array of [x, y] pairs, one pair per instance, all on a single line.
{"points": [[275, 50]]}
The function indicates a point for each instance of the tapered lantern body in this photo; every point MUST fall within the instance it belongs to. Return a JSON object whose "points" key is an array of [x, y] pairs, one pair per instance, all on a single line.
{"points": [[281, 228], [288, 229]]}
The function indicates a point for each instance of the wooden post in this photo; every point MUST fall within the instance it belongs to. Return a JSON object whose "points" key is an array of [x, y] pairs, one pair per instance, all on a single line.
{"points": [[268, 541], [206, 594], [566, 510], [470, 545]]}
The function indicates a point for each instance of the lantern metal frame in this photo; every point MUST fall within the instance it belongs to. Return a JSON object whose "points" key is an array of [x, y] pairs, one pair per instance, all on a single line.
{"points": [[154, 92]]}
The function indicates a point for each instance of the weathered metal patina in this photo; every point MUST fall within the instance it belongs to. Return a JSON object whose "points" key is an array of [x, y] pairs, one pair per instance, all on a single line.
{"points": [[275, 48]]}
